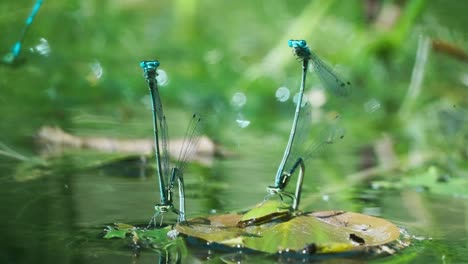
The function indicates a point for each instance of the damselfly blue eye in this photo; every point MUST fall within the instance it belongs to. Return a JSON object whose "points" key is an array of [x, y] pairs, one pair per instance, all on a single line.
{"points": [[149, 65]]}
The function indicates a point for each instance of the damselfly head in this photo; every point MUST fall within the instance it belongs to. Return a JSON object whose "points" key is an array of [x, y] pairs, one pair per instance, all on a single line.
{"points": [[196, 117], [297, 43], [149, 68], [149, 65], [300, 48]]}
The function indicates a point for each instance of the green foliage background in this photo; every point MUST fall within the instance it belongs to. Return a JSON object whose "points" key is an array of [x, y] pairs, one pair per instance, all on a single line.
{"points": [[212, 50]]}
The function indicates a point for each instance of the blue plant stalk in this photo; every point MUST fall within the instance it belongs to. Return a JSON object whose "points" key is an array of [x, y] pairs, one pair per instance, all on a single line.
{"points": [[160, 145], [10, 57], [332, 82]]}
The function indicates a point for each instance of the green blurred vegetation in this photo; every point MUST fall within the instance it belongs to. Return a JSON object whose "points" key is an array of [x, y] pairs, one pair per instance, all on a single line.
{"points": [[405, 121]]}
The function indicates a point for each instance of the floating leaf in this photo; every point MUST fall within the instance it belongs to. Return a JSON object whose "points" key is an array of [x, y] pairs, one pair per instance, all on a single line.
{"points": [[115, 234], [266, 211], [155, 238], [431, 180], [119, 230], [124, 226], [296, 234], [318, 232], [212, 229], [373, 230]]}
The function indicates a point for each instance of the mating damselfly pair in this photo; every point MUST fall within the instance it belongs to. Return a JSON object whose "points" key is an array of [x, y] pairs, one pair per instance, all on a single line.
{"points": [[167, 175], [292, 158]]}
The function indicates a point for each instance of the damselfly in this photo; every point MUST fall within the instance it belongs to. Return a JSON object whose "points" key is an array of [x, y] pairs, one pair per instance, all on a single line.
{"points": [[331, 81], [16, 49], [328, 77], [161, 150]]}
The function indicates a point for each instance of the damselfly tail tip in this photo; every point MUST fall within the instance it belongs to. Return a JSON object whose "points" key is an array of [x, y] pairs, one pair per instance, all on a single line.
{"points": [[345, 88], [196, 117]]}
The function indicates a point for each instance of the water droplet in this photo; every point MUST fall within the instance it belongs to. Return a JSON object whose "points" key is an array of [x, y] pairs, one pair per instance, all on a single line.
{"points": [[96, 69], [464, 79], [146, 101], [213, 56], [243, 123], [296, 97], [173, 234], [372, 105], [238, 99], [317, 98], [326, 197], [43, 48], [282, 94], [162, 78]]}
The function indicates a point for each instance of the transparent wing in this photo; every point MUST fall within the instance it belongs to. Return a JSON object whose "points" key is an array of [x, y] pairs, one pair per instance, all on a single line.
{"points": [[190, 143], [163, 133], [329, 78], [330, 134], [164, 148]]}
